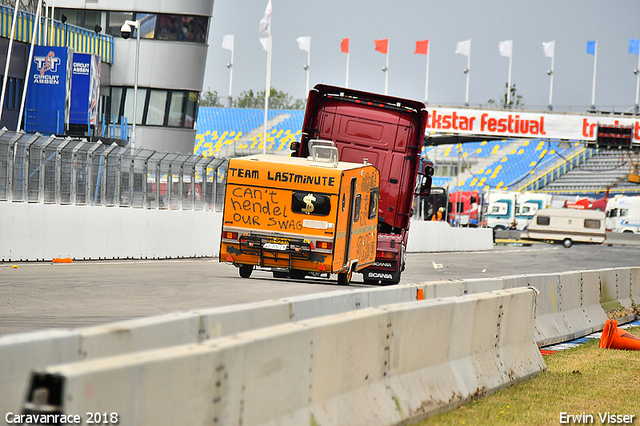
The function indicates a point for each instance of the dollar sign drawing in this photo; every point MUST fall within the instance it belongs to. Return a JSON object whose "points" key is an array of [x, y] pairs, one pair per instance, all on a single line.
{"points": [[309, 199]]}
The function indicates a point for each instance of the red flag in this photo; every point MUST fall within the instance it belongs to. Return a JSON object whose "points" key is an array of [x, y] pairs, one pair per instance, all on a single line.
{"points": [[344, 46], [422, 47], [381, 45]]}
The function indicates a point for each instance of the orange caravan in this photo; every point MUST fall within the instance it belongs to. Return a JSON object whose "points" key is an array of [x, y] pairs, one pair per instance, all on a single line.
{"points": [[300, 216]]}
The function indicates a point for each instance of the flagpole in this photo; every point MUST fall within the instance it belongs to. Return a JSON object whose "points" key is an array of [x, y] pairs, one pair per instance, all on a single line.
{"points": [[426, 86], [10, 49], [386, 73], [266, 94], [593, 87], [637, 82], [509, 78], [308, 67], [346, 83], [231, 72], [553, 59], [27, 74], [468, 71]]}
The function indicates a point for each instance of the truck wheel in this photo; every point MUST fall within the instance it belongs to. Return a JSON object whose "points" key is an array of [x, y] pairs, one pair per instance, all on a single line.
{"points": [[345, 278], [245, 270], [567, 242]]}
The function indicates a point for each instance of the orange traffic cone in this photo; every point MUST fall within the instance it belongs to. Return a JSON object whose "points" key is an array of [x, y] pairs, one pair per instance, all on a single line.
{"points": [[617, 338]]}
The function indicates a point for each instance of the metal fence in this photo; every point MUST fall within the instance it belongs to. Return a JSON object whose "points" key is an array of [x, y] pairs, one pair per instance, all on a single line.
{"points": [[41, 169]]}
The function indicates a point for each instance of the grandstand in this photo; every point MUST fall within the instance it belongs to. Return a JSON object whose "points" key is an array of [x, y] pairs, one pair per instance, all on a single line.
{"points": [[515, 164], [502, 164], [229, 132]]}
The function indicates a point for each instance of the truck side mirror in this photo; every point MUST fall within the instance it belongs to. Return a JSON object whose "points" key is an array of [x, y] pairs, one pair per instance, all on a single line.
{"points": [[425, 186], [427, 168]]}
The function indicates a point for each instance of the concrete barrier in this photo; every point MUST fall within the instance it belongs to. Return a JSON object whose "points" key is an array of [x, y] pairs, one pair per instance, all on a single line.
{"points": [[62, 346], [615, 294], [570, 305], [402, 362], [21, 353], [35, 231], [443, 237], [634, 276]]}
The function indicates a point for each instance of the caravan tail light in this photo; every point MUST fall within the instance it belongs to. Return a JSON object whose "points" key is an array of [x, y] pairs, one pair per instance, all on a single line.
{"points": [[327, 245], [230, 235]]}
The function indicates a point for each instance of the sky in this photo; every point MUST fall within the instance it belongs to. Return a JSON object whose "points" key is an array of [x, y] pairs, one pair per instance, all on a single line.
{"points": [[571, 23]]}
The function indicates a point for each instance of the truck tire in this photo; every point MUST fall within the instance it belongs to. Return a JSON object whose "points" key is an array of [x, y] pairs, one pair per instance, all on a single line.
{"points": [[245, 270], [345, 278], [567, 242]]}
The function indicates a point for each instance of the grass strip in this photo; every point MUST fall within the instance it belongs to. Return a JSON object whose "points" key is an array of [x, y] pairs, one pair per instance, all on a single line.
{"points": [[582, 381]]}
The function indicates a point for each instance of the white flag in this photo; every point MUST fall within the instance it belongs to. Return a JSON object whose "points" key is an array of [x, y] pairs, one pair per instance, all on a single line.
{"points": [[506, 48], [304, 43], [463, 48], [227, 42], [264, 41], [549, 48], [265, 22]]}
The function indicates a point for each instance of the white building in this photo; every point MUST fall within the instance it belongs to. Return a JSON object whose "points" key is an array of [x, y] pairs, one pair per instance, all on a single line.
{"points": [[173, 53]]}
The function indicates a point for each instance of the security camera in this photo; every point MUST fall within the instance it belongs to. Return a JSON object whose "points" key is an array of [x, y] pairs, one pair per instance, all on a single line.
{"points": [[125, 30]]}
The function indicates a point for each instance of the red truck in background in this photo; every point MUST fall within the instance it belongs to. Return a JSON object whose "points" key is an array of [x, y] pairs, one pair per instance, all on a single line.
{"points": [[464, 208], [387, 132]]}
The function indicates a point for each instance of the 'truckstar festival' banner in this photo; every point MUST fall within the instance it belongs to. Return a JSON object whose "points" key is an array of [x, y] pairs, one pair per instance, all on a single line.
{"points": [[514, 124], [48, 93]]}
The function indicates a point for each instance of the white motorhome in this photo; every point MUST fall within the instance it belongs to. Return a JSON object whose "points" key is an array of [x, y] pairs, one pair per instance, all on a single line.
{"points": [[508, 208], [527, 204], [623, 214], [568, 226], [501, 206]]}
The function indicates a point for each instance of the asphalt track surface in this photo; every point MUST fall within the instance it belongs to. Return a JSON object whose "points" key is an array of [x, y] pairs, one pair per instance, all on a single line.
{"points": [[39, 295]]}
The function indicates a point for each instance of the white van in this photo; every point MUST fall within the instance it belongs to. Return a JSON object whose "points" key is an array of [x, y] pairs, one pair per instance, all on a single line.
{"points": [[568, 226]]}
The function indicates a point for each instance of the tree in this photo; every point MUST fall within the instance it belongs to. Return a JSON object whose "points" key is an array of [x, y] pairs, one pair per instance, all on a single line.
{"points": [[277, 100], [516, 101], [210, 99]]}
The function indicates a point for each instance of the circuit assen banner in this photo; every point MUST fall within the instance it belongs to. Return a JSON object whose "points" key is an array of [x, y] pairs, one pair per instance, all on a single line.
{"points": [[48, 91], [514, 124], [85, 89]]}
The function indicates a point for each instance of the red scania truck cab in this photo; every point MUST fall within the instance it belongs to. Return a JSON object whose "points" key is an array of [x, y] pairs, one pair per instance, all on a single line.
{"points": [[387, 132]]}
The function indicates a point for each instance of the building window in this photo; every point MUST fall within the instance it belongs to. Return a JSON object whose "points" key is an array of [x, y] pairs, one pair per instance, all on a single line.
{"points": [[128, 105], [154, 26], [147, 25], [176, 109], [156, 107], [116, 20]]}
